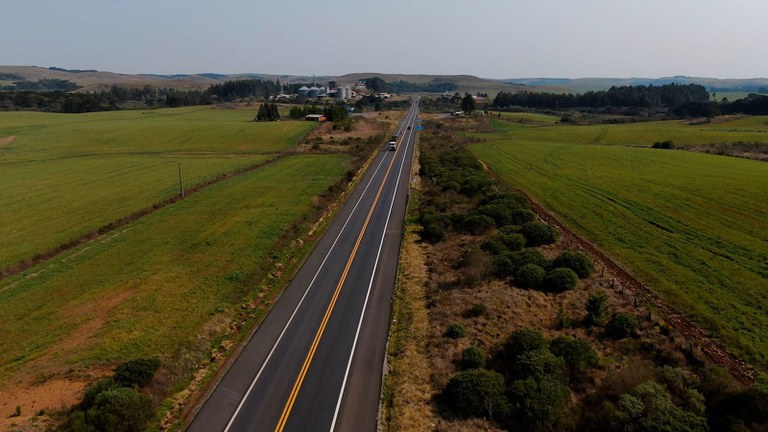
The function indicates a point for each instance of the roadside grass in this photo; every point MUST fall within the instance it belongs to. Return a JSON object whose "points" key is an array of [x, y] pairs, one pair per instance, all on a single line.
{"points": [[65, 175], [693, 227], [645, 134], [150, 288]]}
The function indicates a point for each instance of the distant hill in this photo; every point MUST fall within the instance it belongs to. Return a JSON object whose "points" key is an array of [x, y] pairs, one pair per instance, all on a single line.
{"points": [[752, 85]]}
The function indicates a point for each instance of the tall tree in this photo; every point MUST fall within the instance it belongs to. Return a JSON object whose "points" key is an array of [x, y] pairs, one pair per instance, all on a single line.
{"points": [[468, 103]]}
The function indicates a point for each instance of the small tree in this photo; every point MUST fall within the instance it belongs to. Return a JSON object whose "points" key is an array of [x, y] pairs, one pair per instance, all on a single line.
{"points": [[561, 279], [576, 261], [597, 310], [578, 354], [529, 276], [537, 404], [473, 358], [456, 331], [121, 410], [468, 103], [477, 393], [539, 233], [136, 373], [621, 325], [522, 341]]}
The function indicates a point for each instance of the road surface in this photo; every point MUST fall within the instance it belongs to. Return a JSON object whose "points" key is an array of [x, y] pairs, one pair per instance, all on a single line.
{"points": [[315, 362]]}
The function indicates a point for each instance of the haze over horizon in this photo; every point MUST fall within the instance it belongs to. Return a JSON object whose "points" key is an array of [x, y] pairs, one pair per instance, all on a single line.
{"points": [[488, 38]]}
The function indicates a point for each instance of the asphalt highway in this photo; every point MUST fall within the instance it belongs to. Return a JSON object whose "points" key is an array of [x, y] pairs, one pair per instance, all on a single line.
{"points": [[315, 362]]}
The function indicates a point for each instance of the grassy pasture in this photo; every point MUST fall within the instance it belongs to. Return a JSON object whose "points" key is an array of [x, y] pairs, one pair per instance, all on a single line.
{"points": [[153, 285], [64, 175], [693, 227], [747, 129]]}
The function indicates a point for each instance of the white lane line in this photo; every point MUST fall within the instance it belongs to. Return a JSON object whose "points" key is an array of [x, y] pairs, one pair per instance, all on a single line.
{"points": [[370, 285], [311, 283]]}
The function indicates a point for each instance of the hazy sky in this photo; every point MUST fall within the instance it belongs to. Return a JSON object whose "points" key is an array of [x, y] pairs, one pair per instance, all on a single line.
{"points": [[488, 38]]}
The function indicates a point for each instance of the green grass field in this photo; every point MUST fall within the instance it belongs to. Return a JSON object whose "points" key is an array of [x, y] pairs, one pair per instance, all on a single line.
{"points": [[64, 175], [693, 227], [747, 129], [151, 287]]}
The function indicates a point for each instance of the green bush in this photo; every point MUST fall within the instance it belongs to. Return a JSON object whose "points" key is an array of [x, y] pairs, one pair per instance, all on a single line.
{"points": [[562, 320], [456, 331], [95, 389], [478, 224], [502, 264], [493, 246], [513, 242], [597, 309], [539, 233], [473, 358], [537, 404], [576, 261], [528, 256], [578, 354], [539, 364], [529, 276], [477, 310], [477, 393], [511, 199], [121, 410], [136, 373], [621, 325], [522, 341], [433, 233], [561, 279], [522, 216]]}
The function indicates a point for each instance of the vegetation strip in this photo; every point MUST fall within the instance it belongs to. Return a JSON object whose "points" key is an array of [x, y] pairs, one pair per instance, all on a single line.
{"points": [[713, 349]]}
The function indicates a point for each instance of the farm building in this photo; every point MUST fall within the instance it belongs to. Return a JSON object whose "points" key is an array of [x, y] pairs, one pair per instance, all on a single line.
{"points": [[315, 117]]}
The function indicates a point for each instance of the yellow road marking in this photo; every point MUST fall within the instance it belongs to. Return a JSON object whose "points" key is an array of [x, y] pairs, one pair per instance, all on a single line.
{"points": [[308, 360]]}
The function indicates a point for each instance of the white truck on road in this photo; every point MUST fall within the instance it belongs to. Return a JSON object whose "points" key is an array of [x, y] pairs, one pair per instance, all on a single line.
{"points": [[392, 143]]}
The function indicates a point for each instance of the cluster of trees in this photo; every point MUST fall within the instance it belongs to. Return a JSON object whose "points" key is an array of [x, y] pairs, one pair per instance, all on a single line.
{"points": [[230, 91], [378, 85], [752, 105], [268, 112], [44, 84], [113, 99], [669, 95], [116, 404], [332, 112]]}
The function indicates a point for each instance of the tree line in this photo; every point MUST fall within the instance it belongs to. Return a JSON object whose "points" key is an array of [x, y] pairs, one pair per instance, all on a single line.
{"points": [[669, 95], [378, 85]]}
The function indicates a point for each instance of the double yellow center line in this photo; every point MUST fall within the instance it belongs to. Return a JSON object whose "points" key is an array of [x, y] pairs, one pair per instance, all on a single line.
{"points": [[311, 353]]}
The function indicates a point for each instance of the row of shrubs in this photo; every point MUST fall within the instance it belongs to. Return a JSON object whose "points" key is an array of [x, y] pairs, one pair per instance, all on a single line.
{"points": [[115, 404]]}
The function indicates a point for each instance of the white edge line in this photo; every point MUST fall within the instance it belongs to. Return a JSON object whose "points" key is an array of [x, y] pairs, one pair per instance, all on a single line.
{"points": [[285, 328], [368, 293]]}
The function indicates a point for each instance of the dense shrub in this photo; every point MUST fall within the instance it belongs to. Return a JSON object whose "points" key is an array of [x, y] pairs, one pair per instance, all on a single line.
{"points": [[476, 310], [473, 358], [95, 389], [576, 261], [493, 246], [433, 233], [121, 410], [537, 404], [522, 216], [539, 233], [528, 256], [478, 224], [561, 279], [539, 364], [502, 264], [578, 354], [136, 373], [529, 276], [597, 309], [513, 242], [521, 341], [456, 331], [477, 393], [513, 199], [621, 325]]}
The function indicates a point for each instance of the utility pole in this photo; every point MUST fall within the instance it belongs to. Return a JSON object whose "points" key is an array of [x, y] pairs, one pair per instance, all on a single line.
{"points": [[181, 183]]}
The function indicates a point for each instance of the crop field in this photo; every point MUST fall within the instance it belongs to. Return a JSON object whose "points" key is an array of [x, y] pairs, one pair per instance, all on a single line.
{"points": [[64, 175], [691, 226], [747, 129], [151, 287]]}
